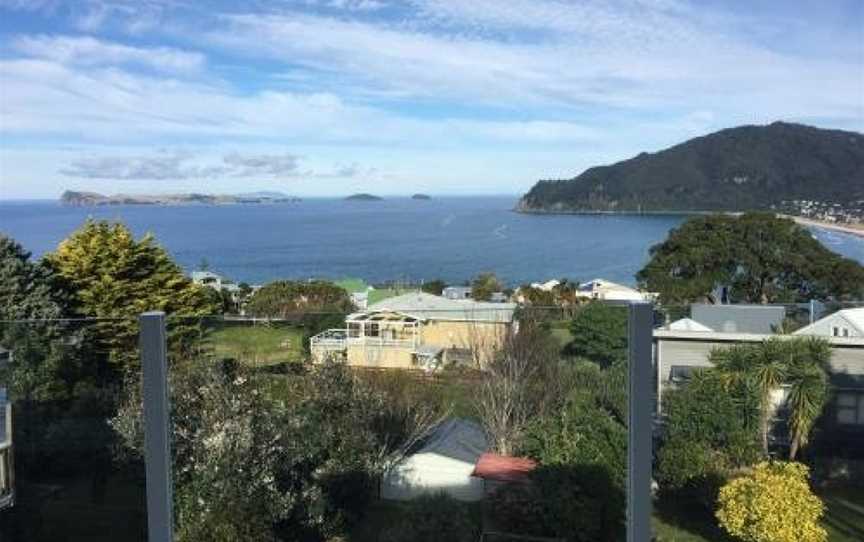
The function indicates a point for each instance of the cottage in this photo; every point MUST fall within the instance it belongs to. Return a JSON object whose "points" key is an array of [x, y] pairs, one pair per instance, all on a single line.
{"points": [[604, 290], [843, 323], [416, 331], [444, 462]]}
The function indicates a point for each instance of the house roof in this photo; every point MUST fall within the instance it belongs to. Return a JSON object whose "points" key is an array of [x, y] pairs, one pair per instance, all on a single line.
{"points": [[503, 468], [687, 324], [456, 438], [432, 307], [855, 318], [603, 284], [762, 319]]}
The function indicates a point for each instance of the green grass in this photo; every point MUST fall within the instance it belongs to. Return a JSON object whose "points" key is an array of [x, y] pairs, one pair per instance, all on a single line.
{"points": [[352, 285], [844, 519], [560, 331], [259, 344]]}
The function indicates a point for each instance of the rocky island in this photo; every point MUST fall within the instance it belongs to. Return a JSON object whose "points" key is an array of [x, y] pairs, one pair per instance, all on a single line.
{"points": [[423, 197], [364, 197], [89, 199]]}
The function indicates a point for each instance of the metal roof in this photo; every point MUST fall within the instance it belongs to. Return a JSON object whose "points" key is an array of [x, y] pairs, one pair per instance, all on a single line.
{"points": [[687, 324], [432, 307], [760, 319], [456, 438]]}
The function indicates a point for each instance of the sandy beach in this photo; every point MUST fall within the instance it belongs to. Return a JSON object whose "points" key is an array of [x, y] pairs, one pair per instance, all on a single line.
{"points": [[852, 229]]}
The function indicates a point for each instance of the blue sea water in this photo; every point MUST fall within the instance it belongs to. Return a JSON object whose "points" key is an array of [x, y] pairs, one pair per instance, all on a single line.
{"points": [[395, 239]]}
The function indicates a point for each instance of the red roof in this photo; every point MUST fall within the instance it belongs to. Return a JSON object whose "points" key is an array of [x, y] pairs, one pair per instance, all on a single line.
{"points": [[503, 468]]}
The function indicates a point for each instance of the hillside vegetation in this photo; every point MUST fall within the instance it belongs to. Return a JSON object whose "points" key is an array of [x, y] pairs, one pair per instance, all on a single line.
{"points": [[743, 168]]}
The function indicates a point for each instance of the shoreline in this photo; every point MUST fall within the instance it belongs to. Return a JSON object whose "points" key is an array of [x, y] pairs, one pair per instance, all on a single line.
{"points": [[849, 229]]}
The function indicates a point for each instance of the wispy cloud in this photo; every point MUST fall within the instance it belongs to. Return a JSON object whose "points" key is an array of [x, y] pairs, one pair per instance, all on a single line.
{"points": [[89, 51], [180, 165]]}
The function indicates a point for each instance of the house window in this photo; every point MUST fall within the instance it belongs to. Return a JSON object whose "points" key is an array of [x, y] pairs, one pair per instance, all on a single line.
{"points": [[372, 329], [354, 330], [682, 373], [835, 331], [850, 408]]}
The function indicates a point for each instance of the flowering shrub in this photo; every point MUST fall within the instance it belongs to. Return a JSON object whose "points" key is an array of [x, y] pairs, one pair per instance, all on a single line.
{"points": [[773, 503]]}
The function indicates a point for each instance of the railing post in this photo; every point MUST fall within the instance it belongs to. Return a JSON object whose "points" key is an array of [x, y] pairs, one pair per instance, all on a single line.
{"points": [[157, 449], [639, 449]]}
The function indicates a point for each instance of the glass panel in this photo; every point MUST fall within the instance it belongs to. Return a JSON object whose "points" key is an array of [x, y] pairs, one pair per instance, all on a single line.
{"points": [[847, 400], [63, 475]]}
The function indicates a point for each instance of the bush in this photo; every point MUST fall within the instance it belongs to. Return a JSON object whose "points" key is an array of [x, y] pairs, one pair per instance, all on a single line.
{"points": [[434, 518], [518, 508], [773, 503], [599, 334]]}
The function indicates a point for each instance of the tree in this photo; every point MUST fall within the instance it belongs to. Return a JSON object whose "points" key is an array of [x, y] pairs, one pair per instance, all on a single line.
{"points": [[599, 334], [28, 292], [114, 277], [711, 431], [484, 285], [800, 363], [294, 299], [434, 287], [516, 385], [255, 462], [773, 503], [760, 258], [581, 446]]}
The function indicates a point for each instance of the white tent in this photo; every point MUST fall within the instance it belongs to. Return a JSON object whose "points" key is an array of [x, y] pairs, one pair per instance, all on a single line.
{"points": [[443, 463]]}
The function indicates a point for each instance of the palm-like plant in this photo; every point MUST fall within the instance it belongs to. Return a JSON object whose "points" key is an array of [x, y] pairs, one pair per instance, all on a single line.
{"points": [[807, 378], [800, 364]]}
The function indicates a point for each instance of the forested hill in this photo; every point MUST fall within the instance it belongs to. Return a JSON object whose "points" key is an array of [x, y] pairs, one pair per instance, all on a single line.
{"points": [[743, 168]]}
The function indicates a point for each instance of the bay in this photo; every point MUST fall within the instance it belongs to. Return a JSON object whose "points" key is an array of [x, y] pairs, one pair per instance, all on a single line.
{"points": [[395, 239]]}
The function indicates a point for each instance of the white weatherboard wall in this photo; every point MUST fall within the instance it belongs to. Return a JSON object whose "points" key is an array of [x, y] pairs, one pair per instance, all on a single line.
{"points": [[429, 473], [443, 464]]}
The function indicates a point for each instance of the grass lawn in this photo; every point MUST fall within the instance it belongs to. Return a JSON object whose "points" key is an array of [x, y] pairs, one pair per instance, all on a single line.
{"points": [[560, 331], [258, 344], [844, 519]]}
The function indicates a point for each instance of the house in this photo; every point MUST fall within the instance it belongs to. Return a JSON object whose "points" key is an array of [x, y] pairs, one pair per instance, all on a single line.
{"points": [[444, 462], [843, 323], [763, 319], [215, 281], [679, 352], [416, 331], [457, 292], [547, 286], [604, 290]]}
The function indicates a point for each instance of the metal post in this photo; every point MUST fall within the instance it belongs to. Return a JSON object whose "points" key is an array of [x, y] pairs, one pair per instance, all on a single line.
{"points": [[157, 450], [639, 449]]}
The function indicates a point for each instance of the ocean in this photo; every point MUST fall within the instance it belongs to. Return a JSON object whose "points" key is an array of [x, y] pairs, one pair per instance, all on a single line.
{"points": [[396, 239]]}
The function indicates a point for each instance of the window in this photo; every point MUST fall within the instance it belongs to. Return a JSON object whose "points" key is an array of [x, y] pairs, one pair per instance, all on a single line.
{"points": [[372, 329], [835, 331], [682, 373], [354, 330], [850, 408]]}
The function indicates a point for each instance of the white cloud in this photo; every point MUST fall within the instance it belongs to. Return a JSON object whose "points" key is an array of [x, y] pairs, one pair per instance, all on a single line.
{"points": [[88, 51]]}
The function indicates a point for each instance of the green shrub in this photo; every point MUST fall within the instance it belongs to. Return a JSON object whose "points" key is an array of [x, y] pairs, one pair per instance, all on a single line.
{"points": [[434, 518]]}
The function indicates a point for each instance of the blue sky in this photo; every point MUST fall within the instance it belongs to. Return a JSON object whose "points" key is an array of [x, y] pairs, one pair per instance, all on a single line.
{"points": [[329, 97]]}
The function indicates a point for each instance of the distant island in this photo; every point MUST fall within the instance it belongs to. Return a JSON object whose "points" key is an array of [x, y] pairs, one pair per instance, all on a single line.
{"points": [[363, 197], [421, 196], [88, 199], [781, 166]]}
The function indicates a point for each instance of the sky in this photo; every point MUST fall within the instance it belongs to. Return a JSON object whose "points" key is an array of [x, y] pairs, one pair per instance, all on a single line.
{"points": [[332, 97]]}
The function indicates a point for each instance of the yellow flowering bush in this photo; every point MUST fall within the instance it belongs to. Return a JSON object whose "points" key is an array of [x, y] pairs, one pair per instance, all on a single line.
{"points": [[772, 503]]}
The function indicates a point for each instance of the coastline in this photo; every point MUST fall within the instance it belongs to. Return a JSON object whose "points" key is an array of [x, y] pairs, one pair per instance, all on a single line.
{"points": [[851, 229]]}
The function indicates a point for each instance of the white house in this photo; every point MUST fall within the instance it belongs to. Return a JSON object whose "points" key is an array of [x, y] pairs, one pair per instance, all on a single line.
{"points": [[844, 323], [604, 290], [7, 475], [443, 463]]}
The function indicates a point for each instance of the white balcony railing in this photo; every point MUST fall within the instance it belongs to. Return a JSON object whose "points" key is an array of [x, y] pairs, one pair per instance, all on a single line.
{"points": [[338, 339]]}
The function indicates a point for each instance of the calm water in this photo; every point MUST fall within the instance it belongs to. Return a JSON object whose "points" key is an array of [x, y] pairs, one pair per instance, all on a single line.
{"points": [[450, 238]]}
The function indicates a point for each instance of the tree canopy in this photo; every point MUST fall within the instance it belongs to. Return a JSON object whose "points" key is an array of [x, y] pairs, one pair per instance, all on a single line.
{"points": [[599, 333], [111, 275], [290, 299], [759, 257], [484, 285]]}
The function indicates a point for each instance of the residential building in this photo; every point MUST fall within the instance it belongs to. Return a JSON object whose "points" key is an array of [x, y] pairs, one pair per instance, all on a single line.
{"points": [[456, 292], [605, 290], [763, 319], [843, 323], [416, 331], [444, 462], [681, 348], [216, 281]]}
